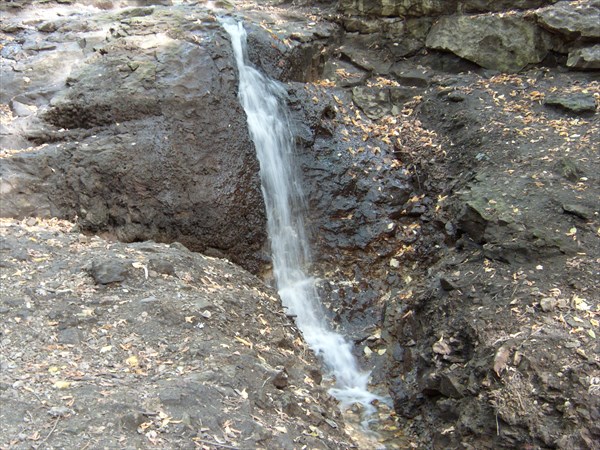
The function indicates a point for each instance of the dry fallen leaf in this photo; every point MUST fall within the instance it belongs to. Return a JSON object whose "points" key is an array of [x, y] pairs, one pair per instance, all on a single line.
{"points": [[441, 347], [61, 384], [244, 341], [132, 361]]}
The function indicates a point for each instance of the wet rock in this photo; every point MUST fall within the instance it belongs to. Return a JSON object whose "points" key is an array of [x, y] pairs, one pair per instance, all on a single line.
{"points": [[447, 285], [345, 74], [499, 42], [109, 271], [377, 102], [366, 52], [572, 19], [577, 103], [585, 58], [374, 102], [456, 96], [450, 386]]}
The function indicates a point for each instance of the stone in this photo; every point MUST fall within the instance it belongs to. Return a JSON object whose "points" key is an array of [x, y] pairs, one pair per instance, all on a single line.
{"points": [[397, 8], [578, 103], [360, 25], [585, 58], [345, 74], [578, 210], [482, 6], [281, 380], [374, 102], [447, 285], [456, 96], [71, 336], [366, 52], [109, 271], [568, 168], [548, 304], [407, 76], [60, 411], [161, 266], [506, 43], [573, 20]]}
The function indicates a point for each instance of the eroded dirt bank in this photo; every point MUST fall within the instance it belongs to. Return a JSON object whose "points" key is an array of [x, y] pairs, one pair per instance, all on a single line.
{"points": [[454, 214]]}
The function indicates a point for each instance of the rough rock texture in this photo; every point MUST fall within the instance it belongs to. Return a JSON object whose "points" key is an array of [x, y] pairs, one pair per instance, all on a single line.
{"points": [[499, 35], [408, 8], [521, 217], [131, 123], [456, 240], [480, 6], [572, 19], [179, 351], [505, 43], [587, 58], [398, 7]]}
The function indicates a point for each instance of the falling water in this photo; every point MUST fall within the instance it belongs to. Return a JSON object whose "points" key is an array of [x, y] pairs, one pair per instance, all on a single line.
{"points": [[262, 99]]}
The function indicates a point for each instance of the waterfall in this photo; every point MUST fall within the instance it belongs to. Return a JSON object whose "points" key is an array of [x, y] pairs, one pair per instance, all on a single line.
{"points": [[263, 100]]}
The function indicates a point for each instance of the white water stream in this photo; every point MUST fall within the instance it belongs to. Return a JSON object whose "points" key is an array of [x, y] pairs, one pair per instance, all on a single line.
{"points": [[263, 101]]}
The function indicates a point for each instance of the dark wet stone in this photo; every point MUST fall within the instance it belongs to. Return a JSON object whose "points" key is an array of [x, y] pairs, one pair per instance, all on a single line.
{"points": [[447, 285]]}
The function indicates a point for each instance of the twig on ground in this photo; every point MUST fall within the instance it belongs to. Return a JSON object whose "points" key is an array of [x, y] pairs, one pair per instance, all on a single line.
{"points": [[215, 443], [49, 434]]}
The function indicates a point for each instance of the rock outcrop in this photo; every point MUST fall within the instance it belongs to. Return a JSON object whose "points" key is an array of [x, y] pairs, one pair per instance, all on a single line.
{"points": [[504, 36], [131, 123]]}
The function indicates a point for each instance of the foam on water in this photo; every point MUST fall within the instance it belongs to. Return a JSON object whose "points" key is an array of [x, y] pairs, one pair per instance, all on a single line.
{"points": [[263, 102]]}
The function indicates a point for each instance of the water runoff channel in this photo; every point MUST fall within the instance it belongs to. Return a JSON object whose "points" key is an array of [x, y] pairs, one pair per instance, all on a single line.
{"points": [[263, 100]]}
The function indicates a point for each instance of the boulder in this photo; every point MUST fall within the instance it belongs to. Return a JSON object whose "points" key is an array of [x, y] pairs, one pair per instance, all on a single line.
{"points": [[572, 19], [585, 58], [506, 43]]}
